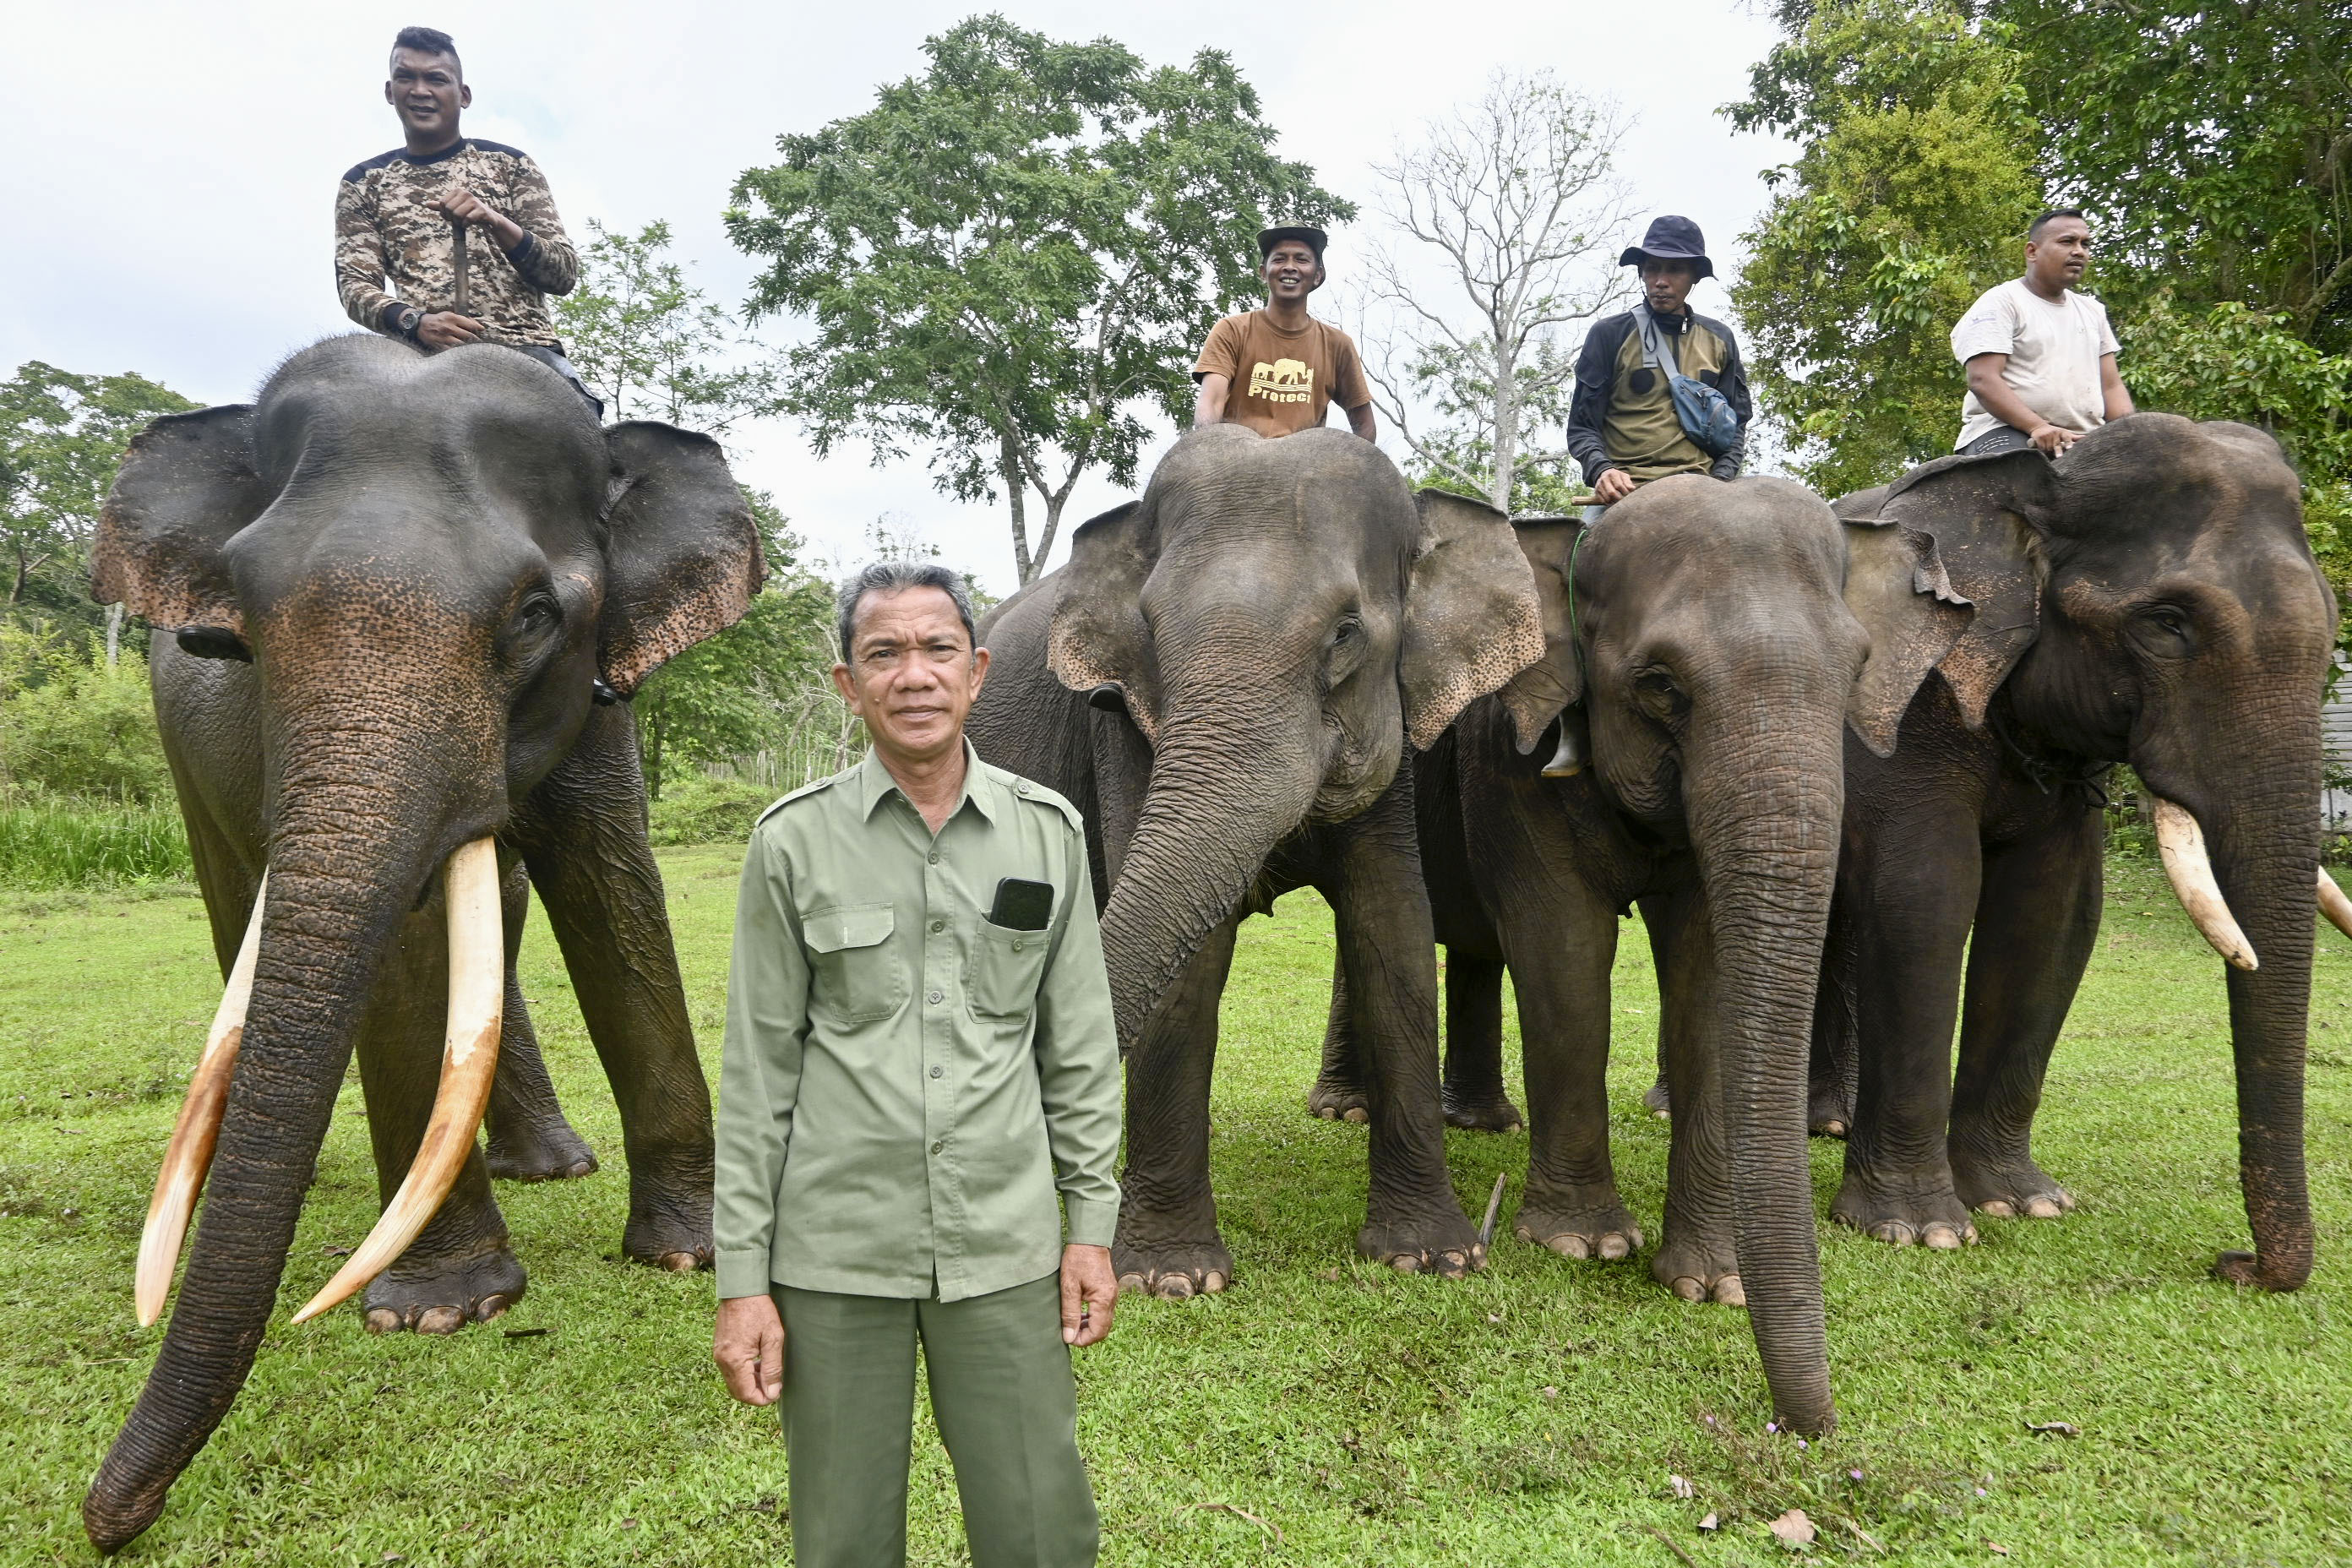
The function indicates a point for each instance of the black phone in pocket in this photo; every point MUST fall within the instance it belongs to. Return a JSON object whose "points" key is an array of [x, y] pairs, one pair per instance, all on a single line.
{"points": [[1022, 905]]}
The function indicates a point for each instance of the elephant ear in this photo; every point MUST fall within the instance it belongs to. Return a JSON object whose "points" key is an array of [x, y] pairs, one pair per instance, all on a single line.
{"points": [[1899, 590], [1098, 637], [1472, 620], [1979, 520], [187, 485], [682, 551], [1536, 696]]}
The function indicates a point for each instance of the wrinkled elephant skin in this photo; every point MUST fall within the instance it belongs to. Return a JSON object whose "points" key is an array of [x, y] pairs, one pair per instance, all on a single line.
{"points": [[405, 576]]}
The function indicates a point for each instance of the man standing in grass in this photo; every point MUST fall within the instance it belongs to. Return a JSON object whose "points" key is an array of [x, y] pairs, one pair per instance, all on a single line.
{"points": [[463, 231], [920, 1058], [2040, 356], [1279, 370]]}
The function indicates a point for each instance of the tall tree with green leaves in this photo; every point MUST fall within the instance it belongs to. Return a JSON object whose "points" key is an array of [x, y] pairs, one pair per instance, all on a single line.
{"points": [[62, 435], [1909, 196], [653, 346], [1011, 259]]}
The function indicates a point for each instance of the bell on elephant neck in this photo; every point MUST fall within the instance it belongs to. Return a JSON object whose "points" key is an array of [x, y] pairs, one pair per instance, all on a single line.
{"points": [[1574, 754]]}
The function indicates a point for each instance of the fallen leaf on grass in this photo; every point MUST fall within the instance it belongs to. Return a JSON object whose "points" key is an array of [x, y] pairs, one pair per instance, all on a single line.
{"points": [[1863, 1536], [1680, 1486], [1793, 1529], [336, 1251], [1238, 1512], [1550, 1392], [1997, 1546], [1710, 1524], [2054, 1428]]}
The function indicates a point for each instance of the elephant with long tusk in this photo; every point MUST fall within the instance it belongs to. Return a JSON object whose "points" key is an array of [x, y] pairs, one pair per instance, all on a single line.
{"points": [[394, 600], [2147, 598]]}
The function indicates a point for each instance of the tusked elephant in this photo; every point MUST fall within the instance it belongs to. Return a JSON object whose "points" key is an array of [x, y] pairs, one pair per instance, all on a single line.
{"points": [[1721, 645], [395, 598], [2147, 598], [1224, 678]]}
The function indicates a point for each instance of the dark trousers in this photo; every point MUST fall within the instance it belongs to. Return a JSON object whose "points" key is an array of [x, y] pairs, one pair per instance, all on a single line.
{"points": [[1006, 1405], [2000, 439]]}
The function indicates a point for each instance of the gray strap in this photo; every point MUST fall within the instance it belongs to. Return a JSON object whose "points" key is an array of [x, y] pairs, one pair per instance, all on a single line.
{"points": [[1649, 347]]}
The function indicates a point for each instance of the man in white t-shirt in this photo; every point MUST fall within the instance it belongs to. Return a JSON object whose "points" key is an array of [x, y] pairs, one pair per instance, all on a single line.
{"points": [[2040, 357]]}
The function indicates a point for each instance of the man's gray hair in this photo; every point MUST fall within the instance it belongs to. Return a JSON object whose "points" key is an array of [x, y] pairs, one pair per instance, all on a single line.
{"points": [[897, 577]]}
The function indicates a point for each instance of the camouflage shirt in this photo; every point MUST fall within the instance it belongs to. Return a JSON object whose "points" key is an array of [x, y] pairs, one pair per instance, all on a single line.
{"points": [[390, 241]]}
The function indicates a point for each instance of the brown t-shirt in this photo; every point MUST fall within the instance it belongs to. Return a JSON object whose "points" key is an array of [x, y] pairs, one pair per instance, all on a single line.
{"points": [[1283, 381]]}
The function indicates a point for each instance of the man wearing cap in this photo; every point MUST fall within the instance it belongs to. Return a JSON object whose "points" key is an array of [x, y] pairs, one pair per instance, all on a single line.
{"points": [[2041, 356], [1279, 370], [1622, 426]]}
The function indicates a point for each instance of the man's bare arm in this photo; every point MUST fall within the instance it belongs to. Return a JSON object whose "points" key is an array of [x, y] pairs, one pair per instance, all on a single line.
{"points": [[2112, 388], [1361, 422], [1209, 402], [2004, 404]]}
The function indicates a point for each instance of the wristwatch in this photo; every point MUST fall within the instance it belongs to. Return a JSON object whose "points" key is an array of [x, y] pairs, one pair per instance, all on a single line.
{"points": [[406, 322]]}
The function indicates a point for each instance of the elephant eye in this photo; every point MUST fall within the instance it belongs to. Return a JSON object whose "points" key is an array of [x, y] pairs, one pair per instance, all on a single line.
{"points": [[540, 614], [1348, 626], [1658, 695], [2166, 628]]}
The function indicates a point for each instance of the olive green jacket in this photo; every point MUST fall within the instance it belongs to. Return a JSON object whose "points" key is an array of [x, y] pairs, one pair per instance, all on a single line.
{"points": [[906, 1084]]}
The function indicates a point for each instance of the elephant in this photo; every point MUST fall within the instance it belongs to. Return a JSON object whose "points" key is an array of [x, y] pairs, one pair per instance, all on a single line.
{"points": [[2147, 598], [403, 596], [1224, 678], [1721, 644]]}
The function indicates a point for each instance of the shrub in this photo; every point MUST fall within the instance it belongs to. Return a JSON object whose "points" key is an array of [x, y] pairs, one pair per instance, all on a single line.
{"points": [[695, 809], [68, 843]]}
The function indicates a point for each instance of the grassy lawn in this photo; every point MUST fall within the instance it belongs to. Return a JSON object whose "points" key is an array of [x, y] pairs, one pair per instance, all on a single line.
{"points": [[1534, 1415]]}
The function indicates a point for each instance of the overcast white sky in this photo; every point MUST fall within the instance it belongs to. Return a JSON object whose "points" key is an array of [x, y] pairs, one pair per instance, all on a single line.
{"points": [[173, 213]]}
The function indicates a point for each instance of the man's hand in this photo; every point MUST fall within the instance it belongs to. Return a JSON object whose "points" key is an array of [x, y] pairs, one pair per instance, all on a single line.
{"points": [[1613, 486], [748, 1343], [446, 330], [2050, 440], [1089, 1294], [464, 206]]}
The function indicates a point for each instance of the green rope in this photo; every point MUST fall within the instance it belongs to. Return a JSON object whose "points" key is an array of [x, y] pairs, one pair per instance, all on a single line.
{"points": [[1575, 638]]}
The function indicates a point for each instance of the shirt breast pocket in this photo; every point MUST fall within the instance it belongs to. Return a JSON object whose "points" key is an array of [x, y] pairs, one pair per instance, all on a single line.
{"points": [[855, 974], [1000, 980]]}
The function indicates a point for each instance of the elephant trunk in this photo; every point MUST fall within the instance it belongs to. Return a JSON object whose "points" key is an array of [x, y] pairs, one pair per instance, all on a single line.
{"points": [[1766, 839], [359, 833], [1227, 786]]}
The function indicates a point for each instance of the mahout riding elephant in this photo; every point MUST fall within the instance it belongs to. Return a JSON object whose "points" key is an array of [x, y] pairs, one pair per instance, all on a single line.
{"points": [[1224, 678], [2147, 598], [404, 591], [1720, 647]]}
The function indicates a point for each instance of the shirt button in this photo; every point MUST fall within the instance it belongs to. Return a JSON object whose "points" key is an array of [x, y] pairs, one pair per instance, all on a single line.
{"points": [[1017, 947], [938, 997], [939, 1072], [935, 856], [938, 926], [937, 1147]]}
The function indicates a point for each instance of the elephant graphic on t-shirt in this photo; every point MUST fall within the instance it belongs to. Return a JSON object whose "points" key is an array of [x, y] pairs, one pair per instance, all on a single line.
{"points": [[1283, 381]]}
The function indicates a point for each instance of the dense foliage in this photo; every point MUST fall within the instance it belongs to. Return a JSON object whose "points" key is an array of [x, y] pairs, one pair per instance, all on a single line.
{"points": [[651, 345], [1011, 259]]}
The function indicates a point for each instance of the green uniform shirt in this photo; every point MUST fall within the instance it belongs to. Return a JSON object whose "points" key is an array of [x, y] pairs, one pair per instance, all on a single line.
{"points": [[906, 1084], [1642, 434]]}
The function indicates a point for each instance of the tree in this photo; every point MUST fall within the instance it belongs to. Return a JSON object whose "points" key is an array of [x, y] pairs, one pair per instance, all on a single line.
{"points": [[653, 347], [62, 435], [1011, 257], [1909, 197], [1515, 194]]}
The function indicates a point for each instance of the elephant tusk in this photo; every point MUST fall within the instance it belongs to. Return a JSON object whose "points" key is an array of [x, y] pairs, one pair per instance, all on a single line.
{"points": [[2334, 904], [2182, 844], [469, 1059], [189, 1155]]}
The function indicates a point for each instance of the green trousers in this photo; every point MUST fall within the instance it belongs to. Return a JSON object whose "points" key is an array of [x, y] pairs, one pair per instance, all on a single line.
{"points": [[1006, 1404]]}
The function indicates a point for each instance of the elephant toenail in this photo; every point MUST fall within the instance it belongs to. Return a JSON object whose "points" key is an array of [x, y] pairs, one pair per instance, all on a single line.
{"points": [[1453, 1264], [2000, 1208], [491, 1307], [677, 1262], [1730, 1292], [1571, 1246], [2042, 1206], [1134, 1282], [1616, 1249], [1357, 1115], [1895, 1233], [1688, 1289], [381, 1320], [1942, 1238], [1175, 1287], [440, 1320], [1327, 1112], [1212, 1282], [1405, 1263], [1832, 1129]]}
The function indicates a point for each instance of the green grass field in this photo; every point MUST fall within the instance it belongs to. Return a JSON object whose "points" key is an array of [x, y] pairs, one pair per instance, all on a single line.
{"points": [[1533, 1415]]}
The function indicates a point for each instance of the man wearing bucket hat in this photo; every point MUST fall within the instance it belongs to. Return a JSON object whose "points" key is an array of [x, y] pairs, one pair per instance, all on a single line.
{"points": [[1659, 390], [1279, 370]]}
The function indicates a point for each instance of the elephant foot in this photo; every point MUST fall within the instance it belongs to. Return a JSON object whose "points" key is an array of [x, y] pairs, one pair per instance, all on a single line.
{"points": [[443, 1295], [671, 1230], [540, 1152], [1441, 1241], [1339, 1099], [1171, 1253], [1927, 1211], [1700, 1268], [1579, 1222], [1655, 1101], [1827, 1114], [1481, 1111], [2014, 1189]]}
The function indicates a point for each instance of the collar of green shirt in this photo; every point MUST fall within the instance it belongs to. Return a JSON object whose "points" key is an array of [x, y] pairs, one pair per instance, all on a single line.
{"points": [[874, 783]]}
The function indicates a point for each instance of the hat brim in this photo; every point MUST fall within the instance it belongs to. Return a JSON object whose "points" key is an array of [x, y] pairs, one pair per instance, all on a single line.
{"points": [[1634, 256], [1315, 239]]}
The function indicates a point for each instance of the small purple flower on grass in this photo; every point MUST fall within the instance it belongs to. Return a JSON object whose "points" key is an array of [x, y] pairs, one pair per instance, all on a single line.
{"points": [[1771, 1425], [1855, 1474], [1803, 1444]]}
